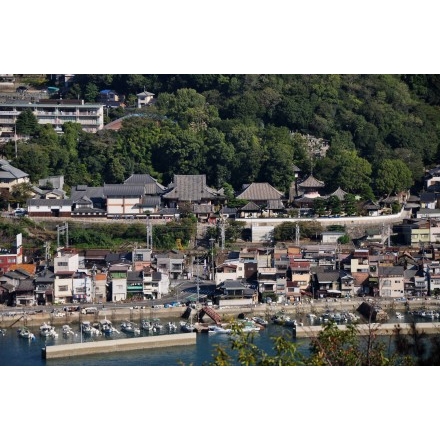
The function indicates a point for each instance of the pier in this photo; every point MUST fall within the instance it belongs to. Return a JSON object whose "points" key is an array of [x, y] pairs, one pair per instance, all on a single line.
{"points": [[117, 345]]}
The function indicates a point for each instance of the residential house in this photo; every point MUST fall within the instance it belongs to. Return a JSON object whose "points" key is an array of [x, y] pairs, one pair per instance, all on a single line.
{"points": [[117, 279], [232, 292], [99, 287], [171, 263], [9, 257], [24, 293], [327, 283], [391, 281], [135, 285], [432, 177], [346, 284], [110, 98], [141, 258], [63, 287], [229, 270], [267, 280], [82, 287], [360, 261], [12, 293], [44, 287], [144, 99], [428, 200], [293, 292], [10, 176]]}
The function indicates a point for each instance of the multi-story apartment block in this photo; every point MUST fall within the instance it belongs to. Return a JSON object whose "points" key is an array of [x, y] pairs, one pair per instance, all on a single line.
{"points": [[54, 112]]}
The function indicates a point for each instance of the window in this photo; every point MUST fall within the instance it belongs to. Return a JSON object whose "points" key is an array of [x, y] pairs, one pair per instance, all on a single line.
{"points": [[62, 263], [63, 288]]}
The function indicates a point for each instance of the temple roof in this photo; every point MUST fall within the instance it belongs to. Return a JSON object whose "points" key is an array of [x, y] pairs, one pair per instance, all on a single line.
{"points": [[311, 182]]}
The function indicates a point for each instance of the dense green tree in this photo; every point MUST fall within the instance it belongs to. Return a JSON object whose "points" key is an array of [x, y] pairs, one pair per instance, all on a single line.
{"points": [[91, 92], [392, 176], [21, 192], [27, 123]]}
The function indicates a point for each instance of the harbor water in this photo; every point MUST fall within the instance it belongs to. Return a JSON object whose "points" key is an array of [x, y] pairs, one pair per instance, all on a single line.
{"points": [[16, 351]]}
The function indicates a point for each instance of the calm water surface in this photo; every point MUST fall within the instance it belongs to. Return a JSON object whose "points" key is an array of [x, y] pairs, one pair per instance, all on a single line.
{"points": [[15, 351]]}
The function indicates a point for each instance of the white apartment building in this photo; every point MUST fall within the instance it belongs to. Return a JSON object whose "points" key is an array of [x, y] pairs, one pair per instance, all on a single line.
{"points": [[54, 112]]}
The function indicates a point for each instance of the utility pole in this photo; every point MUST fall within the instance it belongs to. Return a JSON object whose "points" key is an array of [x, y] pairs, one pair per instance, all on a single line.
{"points": [[223, 233], [149, 234], [64, 229], [297, 234]]}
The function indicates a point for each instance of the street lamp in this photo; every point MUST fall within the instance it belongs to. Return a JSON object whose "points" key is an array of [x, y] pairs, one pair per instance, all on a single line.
{"points": [[211, 241]]}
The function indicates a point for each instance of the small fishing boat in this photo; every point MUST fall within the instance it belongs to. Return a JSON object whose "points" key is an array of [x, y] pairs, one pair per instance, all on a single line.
{"points": [[67, 330], [48, 331], [146, 325], [25, 333], [187, 327], [130, 328], [218, 329], [171, 327], [260, 321], [106, 327]]}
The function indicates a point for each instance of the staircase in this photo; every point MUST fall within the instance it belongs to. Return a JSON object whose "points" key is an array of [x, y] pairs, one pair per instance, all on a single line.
{"points": [[211, 313]]}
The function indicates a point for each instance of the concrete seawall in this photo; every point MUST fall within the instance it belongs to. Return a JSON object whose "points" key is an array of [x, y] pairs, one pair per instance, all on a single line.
{"points": [[118, 345], [308, 331]]}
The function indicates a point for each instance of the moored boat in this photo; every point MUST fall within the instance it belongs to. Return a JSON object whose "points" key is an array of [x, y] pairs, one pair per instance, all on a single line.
{"points": [[187, 327], [171, 327], [282, 319], [106, 327], [25, 333], [130, 328], [218, 329], [47, 330], [260, 321], [146, 325], [67, 330]]}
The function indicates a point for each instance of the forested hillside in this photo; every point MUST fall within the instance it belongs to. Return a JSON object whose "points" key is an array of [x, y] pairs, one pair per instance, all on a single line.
{"points": [[382, 131]]}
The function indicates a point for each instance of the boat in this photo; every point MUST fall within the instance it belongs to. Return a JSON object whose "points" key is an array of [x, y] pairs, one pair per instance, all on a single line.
{"points": [[89, 330], [146, 325], [48, 331], [218, 329], [130, 328], [399, 315], [157, 325], [171, 327], [249, 326], [106, 327], [67, 330], [187, 327], [25, 333], [282, 319], [260, 321]]}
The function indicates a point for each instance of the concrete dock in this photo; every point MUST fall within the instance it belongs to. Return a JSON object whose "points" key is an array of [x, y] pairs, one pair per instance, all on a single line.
{"points": [[118, 345], [308, 331]]}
